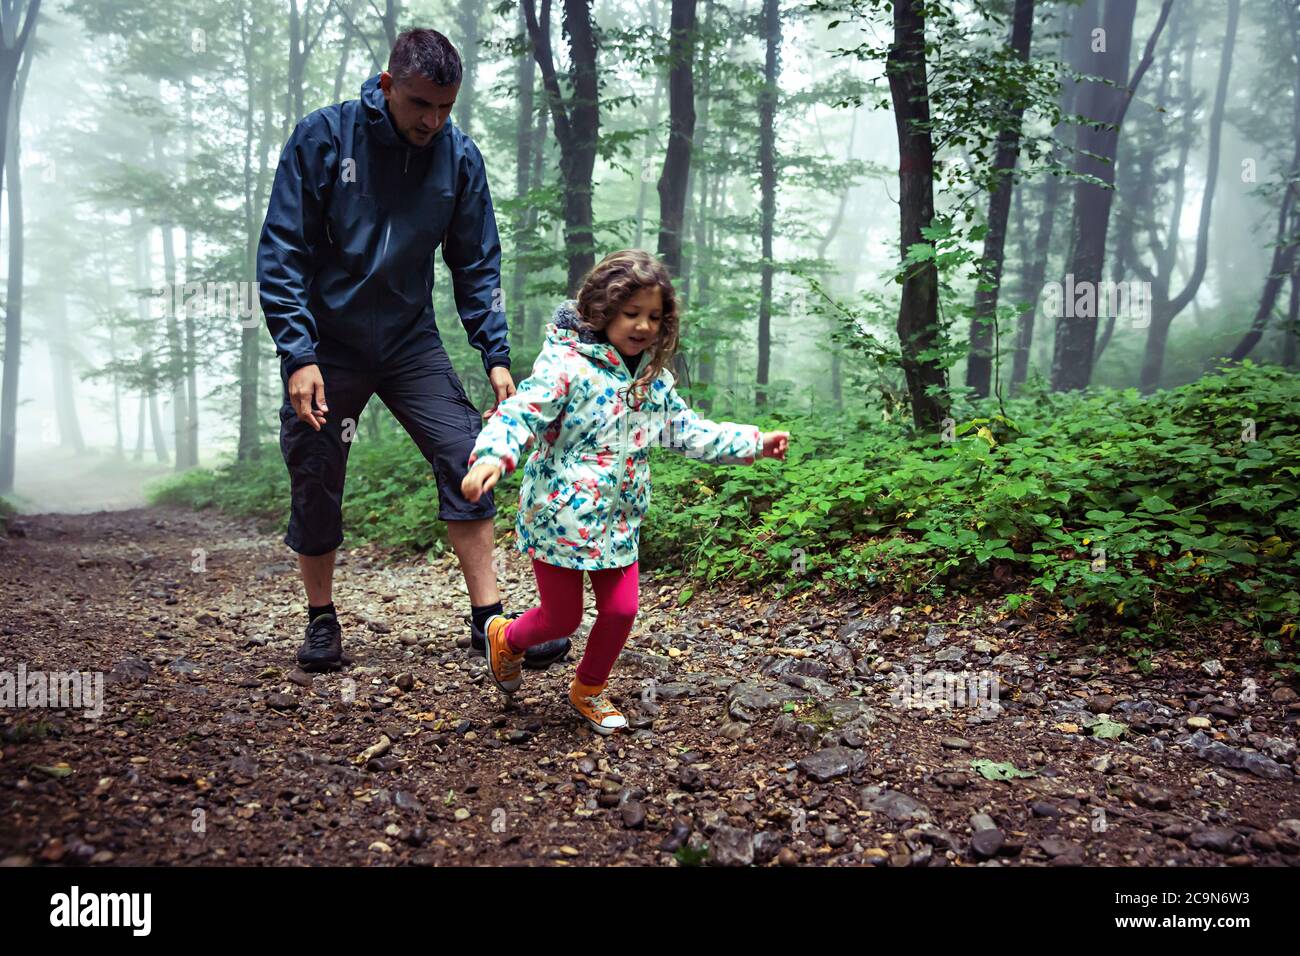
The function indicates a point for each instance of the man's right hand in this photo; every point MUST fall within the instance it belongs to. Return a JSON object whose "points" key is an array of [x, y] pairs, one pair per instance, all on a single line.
{"points": [[306, 385]]}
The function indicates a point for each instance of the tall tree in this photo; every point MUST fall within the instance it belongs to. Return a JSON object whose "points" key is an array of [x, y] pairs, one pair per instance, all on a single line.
{"points": [[918, 310], [1165, 306], [15, 39], [577, 123], [1104, 101], [1075, 42], [980, 362], [681, 131], [525, 85], [767, 100], [468, 22], [1286, 240]]}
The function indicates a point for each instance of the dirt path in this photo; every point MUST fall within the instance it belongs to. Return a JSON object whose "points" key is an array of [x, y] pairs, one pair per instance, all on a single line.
{"points": [[765, 729]]}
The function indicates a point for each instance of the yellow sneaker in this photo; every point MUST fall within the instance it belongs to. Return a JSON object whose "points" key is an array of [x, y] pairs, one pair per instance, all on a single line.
{"points": [[589, 701], [503, 664]]}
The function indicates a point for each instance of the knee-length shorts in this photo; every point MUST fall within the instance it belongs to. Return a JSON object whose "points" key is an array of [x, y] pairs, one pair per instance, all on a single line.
{"points": [[425, 396]]}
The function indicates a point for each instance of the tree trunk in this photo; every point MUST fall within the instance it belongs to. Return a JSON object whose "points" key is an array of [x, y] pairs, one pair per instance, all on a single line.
{"points": [[13, 45], [577, 126], [61, 375], [653, 120], [1104, 102], [467, 19], [1284, 248], [525, 85], [159, 434], [767, 100], [983, 324], [681, 133], [1165, 308], [248, 445], [1074, 50], [918, 312]]}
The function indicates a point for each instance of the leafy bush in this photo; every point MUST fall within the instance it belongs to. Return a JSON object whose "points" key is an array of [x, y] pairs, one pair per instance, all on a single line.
{"points": [[1141, 512], [1132, 508]]}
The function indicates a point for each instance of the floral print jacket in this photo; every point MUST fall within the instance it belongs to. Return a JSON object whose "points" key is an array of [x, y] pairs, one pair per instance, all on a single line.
{"points": [[586, 486]]}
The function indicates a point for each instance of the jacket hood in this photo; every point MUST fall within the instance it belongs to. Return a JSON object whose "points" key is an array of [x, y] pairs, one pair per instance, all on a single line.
{"points": [[569, 329], [379, 121]]}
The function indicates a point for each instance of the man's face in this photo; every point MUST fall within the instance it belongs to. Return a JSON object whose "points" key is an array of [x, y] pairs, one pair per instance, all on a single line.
{"points": [[419, 106]]}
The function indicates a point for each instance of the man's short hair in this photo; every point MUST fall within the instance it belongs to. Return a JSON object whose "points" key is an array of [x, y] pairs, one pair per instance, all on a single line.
{"points": [[425, 53]]}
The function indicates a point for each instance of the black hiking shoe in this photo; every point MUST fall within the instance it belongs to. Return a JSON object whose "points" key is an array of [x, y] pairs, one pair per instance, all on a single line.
{"points": [[322, 647], [536, 658]]}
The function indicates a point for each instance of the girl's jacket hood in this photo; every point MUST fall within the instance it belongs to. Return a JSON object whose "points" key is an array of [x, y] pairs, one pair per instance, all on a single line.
{"points": [[586, 485], [571, 331]]}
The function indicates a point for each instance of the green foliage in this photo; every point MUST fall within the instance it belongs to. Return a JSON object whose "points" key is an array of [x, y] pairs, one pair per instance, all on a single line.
{"points": [[7, 512], [391, 496], [1128, 510], [1131, 513]]}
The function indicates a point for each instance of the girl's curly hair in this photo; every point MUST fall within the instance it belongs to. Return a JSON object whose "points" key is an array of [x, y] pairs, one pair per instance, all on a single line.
{"points": [[614, 280]]}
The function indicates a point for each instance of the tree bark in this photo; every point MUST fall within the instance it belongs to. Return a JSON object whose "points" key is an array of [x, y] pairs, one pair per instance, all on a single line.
{"points": [[525, 85], [1164, 307], [14, 41], [681, 133], [1284, 247], [467, 20], [767, 101], [61, 375], [979, 364], [1104, 102], [577, 125], [918, 311]]}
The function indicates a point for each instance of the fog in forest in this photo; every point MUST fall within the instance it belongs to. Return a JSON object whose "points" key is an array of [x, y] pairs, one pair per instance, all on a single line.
{"points": [[143, 139]]}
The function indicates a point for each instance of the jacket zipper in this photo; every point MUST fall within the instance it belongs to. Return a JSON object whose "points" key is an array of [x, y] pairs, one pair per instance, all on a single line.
{"points": [[408, 162], [622, 453]]}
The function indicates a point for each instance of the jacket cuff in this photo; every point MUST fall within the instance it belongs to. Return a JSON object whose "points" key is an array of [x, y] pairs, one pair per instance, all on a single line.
{"points": [[504, 464], [500, 361], [291, 363]]}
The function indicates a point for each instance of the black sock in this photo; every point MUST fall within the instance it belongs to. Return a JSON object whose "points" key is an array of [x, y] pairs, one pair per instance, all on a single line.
{"points": [[480, 615], [315, 612]]}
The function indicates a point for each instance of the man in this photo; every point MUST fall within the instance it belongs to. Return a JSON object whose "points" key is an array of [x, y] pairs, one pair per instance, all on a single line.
{"points": [[365, 192]]}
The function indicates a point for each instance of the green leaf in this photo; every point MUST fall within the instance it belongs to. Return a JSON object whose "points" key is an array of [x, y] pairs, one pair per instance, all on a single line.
{"points": [[1000, 771]]}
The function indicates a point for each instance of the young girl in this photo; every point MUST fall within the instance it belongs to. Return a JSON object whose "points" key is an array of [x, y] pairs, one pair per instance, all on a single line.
{"points": [[599, 397]]}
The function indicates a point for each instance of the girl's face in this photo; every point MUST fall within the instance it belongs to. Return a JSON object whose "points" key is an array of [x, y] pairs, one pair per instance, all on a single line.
{"points": [[635, 327]]}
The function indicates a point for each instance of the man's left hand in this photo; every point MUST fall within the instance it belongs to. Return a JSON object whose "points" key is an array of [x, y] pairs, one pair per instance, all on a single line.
{"points": [[502, 384]]}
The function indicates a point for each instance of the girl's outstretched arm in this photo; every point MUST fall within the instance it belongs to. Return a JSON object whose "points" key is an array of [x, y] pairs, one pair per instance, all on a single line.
{"points": [[722, 443]]}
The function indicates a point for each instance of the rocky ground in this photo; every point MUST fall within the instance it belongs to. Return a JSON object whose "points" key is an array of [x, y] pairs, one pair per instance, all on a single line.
{"points": [[778, 732]]}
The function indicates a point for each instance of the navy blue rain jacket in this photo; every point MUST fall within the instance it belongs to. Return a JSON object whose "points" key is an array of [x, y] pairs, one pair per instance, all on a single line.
{"points": [[345, 261]]}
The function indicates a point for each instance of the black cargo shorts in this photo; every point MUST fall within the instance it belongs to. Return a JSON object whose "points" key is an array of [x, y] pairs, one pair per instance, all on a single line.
{"points": [[425, 395]]}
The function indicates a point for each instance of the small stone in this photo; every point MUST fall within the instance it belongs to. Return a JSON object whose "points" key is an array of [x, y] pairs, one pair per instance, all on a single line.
{"points": [[893, 804], [1041, 808], [955, 743], [633, 814], [787, 857], [1101, 704], [1200, 723], [987, 842], [1218, 839], [731, 846], [832, 762], [281, 702], [461, 814]]}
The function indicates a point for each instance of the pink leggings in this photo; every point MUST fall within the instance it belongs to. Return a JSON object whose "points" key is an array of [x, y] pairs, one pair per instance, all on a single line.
{"points": [[560, 614]]}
